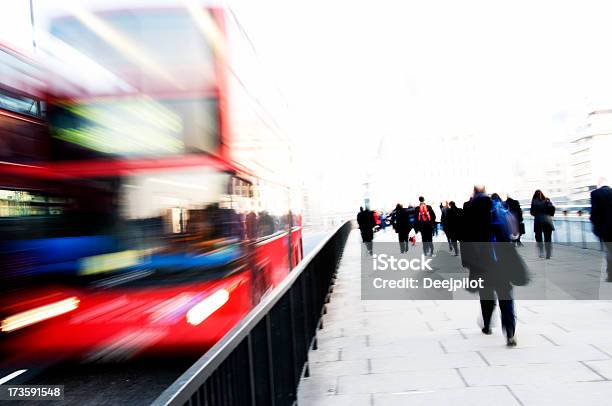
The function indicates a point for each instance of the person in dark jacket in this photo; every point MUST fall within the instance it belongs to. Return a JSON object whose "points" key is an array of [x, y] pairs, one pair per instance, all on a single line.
{"points": [[542, 211], [402, 227], [366, 222], [452, 225], [514, 207], [426, 220], [478, 214], [443, 222], [601, 217]]}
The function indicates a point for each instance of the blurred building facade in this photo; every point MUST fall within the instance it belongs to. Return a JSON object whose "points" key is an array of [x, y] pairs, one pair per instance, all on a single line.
{"points": [[544, 168], [590, 155], [567, 171], [440, 168]]}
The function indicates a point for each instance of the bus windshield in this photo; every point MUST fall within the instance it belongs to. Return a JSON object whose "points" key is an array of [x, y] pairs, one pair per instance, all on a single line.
{"points": [[172, 104], [153, 50]]}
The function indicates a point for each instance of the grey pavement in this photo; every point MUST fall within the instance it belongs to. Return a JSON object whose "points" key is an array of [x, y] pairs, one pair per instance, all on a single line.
{"points": [[429, 352]]}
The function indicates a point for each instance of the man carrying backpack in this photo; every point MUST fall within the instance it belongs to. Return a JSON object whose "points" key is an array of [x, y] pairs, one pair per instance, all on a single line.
{"points": [[426, 218], [504, 220], [492, 258], [515, 208]]}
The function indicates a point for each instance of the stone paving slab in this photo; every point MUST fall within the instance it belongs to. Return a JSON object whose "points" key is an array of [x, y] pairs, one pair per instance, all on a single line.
{"points": [[400, 381], [497, 395], [577, 393], [430, 352], [557, 372]]}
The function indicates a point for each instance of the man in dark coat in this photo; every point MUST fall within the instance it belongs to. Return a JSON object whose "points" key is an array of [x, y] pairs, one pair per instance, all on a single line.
{"points": [[452, 225], [601, 217], [444, 222], [479, 220], [402, 227], [366, 222], [514, 207]]}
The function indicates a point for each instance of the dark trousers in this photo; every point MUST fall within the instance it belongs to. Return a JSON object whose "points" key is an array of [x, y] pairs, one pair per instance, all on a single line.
{"points": [[608, 248], [367, 236], [503, 294], [547, 244], [427, 237], [453, 245], [403, 241], [448, 239]]}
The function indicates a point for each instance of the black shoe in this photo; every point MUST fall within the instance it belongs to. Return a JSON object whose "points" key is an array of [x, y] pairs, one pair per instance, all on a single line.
{"points": [[486, 331], [511, 342]]}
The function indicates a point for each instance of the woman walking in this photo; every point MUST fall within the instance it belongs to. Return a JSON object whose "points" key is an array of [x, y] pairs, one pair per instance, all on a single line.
{"points": [[543, 211]]}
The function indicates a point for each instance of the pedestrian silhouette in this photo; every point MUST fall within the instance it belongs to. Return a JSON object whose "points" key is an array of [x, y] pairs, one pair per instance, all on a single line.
{"points": [[515, 208], [542, 211], [601, 217], [402, 227], [426, 220], [366, 222], [489, 261]]}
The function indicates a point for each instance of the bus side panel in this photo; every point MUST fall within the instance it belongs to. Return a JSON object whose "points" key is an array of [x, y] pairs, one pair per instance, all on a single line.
{"points": [[297, 253], [271, 262]]}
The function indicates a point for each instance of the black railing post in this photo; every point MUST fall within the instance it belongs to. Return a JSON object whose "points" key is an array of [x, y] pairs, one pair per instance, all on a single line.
{"points": [[251, 369], [273, 340], [270, 360], [296, 370]]}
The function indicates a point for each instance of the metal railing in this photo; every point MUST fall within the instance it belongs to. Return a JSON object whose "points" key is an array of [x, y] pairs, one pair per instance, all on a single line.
{"points": [[262, 359], [576, 231]]}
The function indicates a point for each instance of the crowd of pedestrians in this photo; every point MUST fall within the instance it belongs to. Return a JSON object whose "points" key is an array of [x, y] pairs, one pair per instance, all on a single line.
{"points": [[485, 232], [421, 219]]}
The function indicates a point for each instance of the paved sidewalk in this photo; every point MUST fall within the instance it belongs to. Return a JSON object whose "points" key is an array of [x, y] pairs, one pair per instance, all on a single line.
{"points": [[410, 352]]}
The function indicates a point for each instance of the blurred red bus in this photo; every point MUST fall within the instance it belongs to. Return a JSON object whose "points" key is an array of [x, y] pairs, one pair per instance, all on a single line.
{"points": [[22, 109], [140, 230]]}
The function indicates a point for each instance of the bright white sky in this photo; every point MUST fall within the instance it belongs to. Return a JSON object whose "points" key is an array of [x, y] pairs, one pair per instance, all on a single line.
{"points": [[354, 71], [524, 73], [366, 69]]}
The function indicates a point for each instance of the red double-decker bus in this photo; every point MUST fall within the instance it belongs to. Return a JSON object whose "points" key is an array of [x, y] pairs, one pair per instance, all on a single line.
{"points": [[160, 210]]}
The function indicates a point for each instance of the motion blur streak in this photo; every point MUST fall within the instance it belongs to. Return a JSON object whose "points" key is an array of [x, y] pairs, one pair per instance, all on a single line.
{"points": [[206, 307], [168, 210], [38, 314], [207, 26], [130, 50], [12, 375]]}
